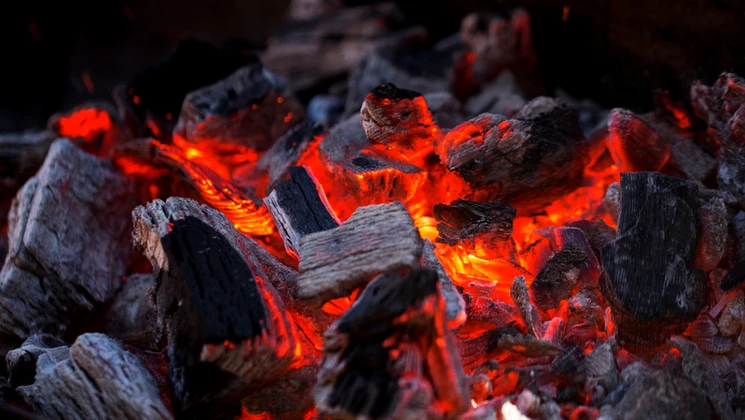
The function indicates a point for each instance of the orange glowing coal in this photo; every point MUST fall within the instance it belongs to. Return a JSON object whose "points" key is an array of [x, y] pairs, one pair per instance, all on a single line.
{"points": [[87, 124]]}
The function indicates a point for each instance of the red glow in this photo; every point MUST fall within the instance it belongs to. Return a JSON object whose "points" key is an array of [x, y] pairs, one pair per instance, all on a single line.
{"points": [[87, 124]]}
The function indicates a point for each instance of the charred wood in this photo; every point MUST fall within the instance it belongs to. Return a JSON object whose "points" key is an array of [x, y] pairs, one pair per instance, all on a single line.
{"points": [[21, 155], [455, 306], [287, 151], [691, 160], [69, 242], [446, 110], [634, 144], [711, 246], [557, 278], [94, 127], [21, 362], [130, 317], [502, 96]]}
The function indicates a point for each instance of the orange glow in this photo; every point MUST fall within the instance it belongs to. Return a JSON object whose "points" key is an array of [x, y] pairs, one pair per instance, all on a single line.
{"points": [[565, 13], [88, 124], [88, 82]]}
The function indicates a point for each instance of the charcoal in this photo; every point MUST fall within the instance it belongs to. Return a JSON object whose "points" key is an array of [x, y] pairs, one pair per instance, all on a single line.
{"points": [[598, 234], [399, 120], [248, 109], [21, 155], [502, 96], [298, 208], [702, 327], [554, 240], [462, 222], [557, 278], [129, 318], [446, 110], [307, 53], [325, 110], [374, 239], [416, 369], [455, 306], [225, 327], [21, 362], [304, 10], [711, 246], [93, 126], [634, 144], [585, 320], [660, 225], [691, 160], [69, 243], [510, 160], [98, 379], [612, 201], [731, 318], [287, 151], [521, 298], [273, 400], [482, 307]]}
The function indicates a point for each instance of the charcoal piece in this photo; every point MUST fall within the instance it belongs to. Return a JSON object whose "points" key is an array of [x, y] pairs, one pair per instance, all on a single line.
{"points": [[481, 306], [250, 108], [502, 96], [634, 144], [398, 119], [99, 379], [660, 394], [455, 306], [129, 318], [731, 318], [659, 224], [527, 161], [310, 52], [416, 369], [325, 110], [225, 327], [21, 362], [521, 298], [697, 368], [21, 155], [287, 151], [691, 160], [374, 239], [557, 278], [711, 246], [69, 243], [274, 399], [298, 208], [464, 221], [156, 95], [446, 110], [94, 127], [598, 234], [612, 201]]}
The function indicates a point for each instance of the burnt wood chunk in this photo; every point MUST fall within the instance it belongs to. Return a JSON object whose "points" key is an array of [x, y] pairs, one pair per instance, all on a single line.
{"points": [[129, 318], [299, 208], [21, 155], [502, 96], [287, 151], [659, 225], [446, 109], [711, 246], [249, 108], [374, 239], [398, 119], [736, 276], [471, 223], [391, 355], [557, 278], [21, 362], [526, 161], [455, 306], [68, 242], [612, 201], [97, 379], [634, 145], [93, 126], [225, 327], [691, 160], [528, 313]]}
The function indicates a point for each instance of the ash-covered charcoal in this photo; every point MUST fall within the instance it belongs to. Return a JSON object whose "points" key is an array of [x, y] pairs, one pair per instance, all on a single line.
{"points": [[612, 201], [634, 144], [21, 155], [288, 398], [398, 119], [248, 109], [311, 52], [502, 96], [464, 221], [598, 234], [130, 317], [557, 278], [94, 127], [455, 306], [225, 327], [481, 306], [526, 161], [528, 313], [152, 100], [97, 379], [391, 355], [711, 246], [446, 109], [21, 362], [650, 282], [373, 240], [299, 207], [687, 157], [287, 151], [69, 243]]}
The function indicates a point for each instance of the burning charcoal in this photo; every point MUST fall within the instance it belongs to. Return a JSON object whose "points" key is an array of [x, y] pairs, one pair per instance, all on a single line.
{"points": [[598, 234], [287, 150], [21, 362], [526, 161], [711, 248], [455, 306], [702, 327], [129, 317], [599, 366], [153, 99], [288, 398], [481, 306], [325, 110], [374, 239], [586, 318], [446, 110], [502, 96], [693, 162], [398, 119], [634, 144], [75, 206], [612, 201], [99, 379], [472, 224], [521, 297], [732, 316], [660, 225], [249, 108], [557, 278], [21, 155], [95, 127], [299, 208], [223, 322], [697, 368], [391, 355], [331, 45]]}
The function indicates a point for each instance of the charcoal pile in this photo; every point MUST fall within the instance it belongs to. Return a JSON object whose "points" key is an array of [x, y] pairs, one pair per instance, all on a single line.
{"points": [[424, 240]]}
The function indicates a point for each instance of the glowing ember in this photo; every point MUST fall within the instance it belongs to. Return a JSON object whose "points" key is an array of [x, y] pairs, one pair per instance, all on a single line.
{"points": [[87, 124]]}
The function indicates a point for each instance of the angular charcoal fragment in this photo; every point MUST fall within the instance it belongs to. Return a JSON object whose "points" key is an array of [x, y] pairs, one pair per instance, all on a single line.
{"points": [[374, 239], [69, 242], [521, 298], [693, 162], [464, 221], [94, 126], [298, 208], [612, 201], [502, 96], [526, 161], [21, 155], [287, 150], [99, 379], [634, 144], [650, 282], [130, 317], [455, 307], [226, 328], [391, 355], [557, 278], [249, 108], [398, 119], [21, 362], [711, 248], [446, 110]]}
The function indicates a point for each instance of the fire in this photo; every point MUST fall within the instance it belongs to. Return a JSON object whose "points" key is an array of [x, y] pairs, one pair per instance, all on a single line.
{"points": [[87, 124]]}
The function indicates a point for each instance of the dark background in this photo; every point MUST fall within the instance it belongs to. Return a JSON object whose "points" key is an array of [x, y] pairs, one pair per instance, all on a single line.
{"points": [[616, 52]]}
